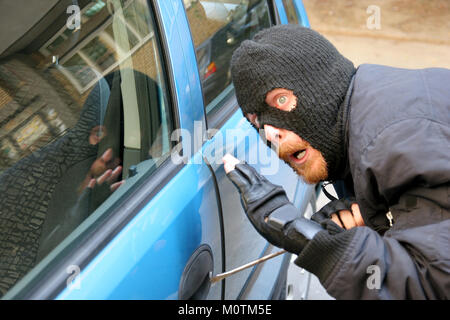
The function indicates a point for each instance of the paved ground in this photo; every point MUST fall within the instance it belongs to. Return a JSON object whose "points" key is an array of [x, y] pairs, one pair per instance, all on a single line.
{"points": [[411, 34]]}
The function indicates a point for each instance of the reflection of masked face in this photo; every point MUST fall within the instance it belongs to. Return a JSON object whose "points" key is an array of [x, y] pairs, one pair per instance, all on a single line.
{"points": [[300, 60]]}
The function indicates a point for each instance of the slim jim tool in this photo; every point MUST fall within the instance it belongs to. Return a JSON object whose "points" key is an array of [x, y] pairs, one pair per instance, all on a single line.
{"points": [[224, 275]]}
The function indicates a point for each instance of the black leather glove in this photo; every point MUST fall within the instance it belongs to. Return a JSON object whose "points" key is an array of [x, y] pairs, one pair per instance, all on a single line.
{"points": [[323, 216], [270, 211]]}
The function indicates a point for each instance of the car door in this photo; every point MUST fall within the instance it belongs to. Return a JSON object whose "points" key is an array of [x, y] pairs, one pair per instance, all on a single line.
{"points": [[158, 234], [217, 28]]}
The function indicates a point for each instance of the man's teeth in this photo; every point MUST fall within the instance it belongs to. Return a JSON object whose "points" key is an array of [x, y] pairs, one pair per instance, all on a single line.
{"points": [[300, 155]]}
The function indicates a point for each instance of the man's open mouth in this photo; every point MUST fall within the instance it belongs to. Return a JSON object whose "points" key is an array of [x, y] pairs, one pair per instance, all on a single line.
{"points": [[299, 156]]}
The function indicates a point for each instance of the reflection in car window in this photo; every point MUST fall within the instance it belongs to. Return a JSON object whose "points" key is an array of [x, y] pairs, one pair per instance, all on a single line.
{"points": [[291, 12], [80, 103], [218, 27]]}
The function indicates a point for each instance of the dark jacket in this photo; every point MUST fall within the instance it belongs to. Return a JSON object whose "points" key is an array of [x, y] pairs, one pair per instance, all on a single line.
{"points": [[398, 131]]}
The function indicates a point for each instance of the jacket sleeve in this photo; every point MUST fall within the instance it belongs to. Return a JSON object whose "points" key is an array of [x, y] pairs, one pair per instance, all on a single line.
{"points": [[360, 264]]}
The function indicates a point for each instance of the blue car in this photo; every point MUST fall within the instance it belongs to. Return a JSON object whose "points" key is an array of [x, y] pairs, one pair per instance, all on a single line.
{"points": [[114, 117]]}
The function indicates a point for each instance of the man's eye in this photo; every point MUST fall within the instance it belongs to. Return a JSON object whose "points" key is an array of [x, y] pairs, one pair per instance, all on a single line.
{"points": [[282, 100]]}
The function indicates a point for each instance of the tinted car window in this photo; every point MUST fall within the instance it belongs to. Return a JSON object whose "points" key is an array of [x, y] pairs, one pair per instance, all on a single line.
{"points": [[218, 27], [82, 100]]}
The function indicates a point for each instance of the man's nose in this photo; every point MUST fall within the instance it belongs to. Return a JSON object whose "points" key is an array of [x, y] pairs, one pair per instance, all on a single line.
{"points": [[273, 134]]}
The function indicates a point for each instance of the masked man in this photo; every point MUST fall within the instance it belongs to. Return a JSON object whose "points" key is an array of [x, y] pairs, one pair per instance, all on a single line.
{"points": [[384, 131]]}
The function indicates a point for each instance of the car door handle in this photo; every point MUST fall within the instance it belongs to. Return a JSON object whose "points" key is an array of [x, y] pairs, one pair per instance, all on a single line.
{"points": [[195, 280]]}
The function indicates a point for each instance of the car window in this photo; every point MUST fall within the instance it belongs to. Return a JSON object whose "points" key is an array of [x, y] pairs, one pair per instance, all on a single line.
{"points": [[291, 11], [218, 27], [83, 106]]}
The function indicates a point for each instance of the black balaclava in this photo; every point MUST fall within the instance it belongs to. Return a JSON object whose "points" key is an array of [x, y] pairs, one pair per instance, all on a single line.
{"points": [[298, 59]]}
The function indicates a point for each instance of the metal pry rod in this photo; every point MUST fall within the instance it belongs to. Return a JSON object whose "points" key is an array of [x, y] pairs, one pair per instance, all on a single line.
{"points": [[224, 275]]}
